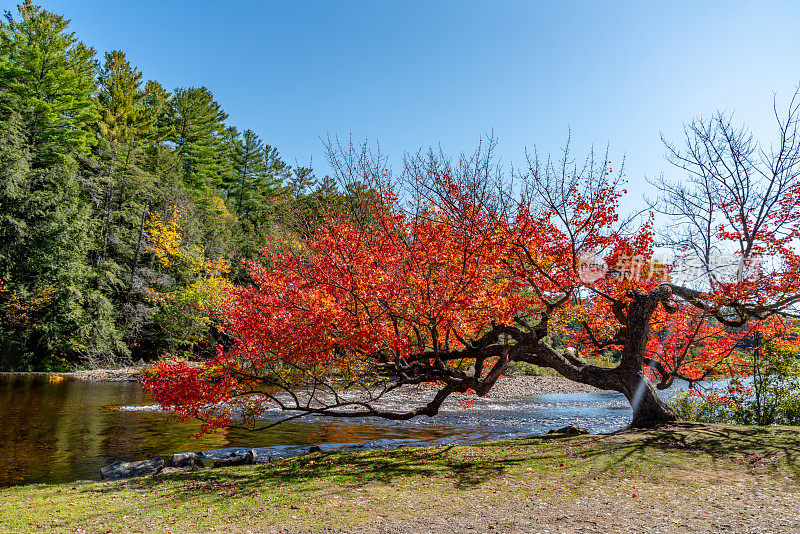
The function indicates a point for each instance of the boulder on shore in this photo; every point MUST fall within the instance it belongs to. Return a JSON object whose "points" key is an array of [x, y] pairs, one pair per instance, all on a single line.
{"points": [[570, 430], [237, 459], [185, 459], [120, 469]]}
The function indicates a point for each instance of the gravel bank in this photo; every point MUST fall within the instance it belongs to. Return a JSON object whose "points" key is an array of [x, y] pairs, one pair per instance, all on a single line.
{"points": [[513, 387], [121, 374]]}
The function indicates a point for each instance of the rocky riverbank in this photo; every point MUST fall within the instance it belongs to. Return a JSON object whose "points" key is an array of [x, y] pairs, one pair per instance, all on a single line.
{"points": [[123, 374], [120, 374], [177, 463], [508, 387], [117, 374]]}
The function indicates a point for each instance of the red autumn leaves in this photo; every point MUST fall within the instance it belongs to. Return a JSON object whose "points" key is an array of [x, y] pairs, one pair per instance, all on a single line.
{"points": [[397, 282]]}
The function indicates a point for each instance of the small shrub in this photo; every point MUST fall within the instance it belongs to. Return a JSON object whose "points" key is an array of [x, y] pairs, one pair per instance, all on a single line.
{"points": [[771, 396], [528, 369], [790, 410], [691, 406]]}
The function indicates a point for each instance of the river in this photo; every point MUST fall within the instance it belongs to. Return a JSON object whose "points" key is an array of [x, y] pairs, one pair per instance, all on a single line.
{"points": [[62, 429]]}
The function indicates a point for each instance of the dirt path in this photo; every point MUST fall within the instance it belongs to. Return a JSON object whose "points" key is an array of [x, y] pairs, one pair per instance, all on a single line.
{"points": [[747, 505]]}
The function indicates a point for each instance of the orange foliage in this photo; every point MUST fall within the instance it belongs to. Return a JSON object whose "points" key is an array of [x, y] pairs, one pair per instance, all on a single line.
{"points": [[409, 286]]}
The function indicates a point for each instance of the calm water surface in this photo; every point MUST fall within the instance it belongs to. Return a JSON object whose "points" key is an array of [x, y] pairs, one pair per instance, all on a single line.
{"points": [[67, 430]]}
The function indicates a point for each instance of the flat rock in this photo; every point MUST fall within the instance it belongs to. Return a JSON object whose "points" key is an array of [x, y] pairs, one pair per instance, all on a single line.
{"points": [[120, 469], [237, 459], [570, 430]]}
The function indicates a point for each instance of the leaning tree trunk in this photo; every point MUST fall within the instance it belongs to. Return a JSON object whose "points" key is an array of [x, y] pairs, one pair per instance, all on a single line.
{"points": [[648, 409], [628, 377]]}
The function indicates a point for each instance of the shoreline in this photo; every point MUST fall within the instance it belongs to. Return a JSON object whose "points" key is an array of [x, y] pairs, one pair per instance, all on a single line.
{"points": [[507, 387], [121, 374], [740, 479]]}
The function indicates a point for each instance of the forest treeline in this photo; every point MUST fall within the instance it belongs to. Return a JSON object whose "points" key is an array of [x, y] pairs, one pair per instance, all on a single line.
{"points": [[125, 207]]}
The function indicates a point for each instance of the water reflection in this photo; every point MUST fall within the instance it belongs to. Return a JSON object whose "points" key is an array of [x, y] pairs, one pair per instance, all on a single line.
{"points": [[67, 430]]}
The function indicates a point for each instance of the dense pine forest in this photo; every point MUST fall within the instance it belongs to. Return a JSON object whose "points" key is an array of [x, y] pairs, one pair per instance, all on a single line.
{"points": [[125, 207]]}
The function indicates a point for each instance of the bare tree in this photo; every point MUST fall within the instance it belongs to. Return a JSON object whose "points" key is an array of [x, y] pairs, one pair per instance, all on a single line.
{"points": [[731, 181]]}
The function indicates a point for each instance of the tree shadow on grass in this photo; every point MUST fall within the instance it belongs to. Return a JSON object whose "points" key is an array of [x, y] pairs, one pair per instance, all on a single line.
{"points": [[467, 467], [769, 449], [344, 472]]}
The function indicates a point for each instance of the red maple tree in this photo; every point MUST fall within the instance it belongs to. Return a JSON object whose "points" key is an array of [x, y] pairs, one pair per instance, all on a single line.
{"points": [[449, 273]]}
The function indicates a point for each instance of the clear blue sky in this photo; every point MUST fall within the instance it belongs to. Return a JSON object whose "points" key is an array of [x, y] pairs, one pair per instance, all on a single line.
{"points": [[413, 73]]}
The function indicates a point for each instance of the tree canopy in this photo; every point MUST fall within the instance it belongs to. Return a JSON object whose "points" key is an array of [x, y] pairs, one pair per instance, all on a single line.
{"points": [[451, 272]]}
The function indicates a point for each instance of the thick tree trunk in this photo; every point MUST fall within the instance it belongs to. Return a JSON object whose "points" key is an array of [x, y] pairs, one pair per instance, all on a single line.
{"points": [[649, 409], [628, 377]]}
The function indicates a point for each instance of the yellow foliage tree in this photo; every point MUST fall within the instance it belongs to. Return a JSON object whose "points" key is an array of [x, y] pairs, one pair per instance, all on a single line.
{"points": [[187, 312]]}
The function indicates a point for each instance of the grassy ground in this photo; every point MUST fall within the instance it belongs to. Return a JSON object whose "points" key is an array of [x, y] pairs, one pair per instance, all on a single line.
{"points": [[688, 477]]}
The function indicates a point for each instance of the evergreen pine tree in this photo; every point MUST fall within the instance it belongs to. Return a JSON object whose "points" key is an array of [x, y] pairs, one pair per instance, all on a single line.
{"points": [[47, 121], [198, 135]]}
